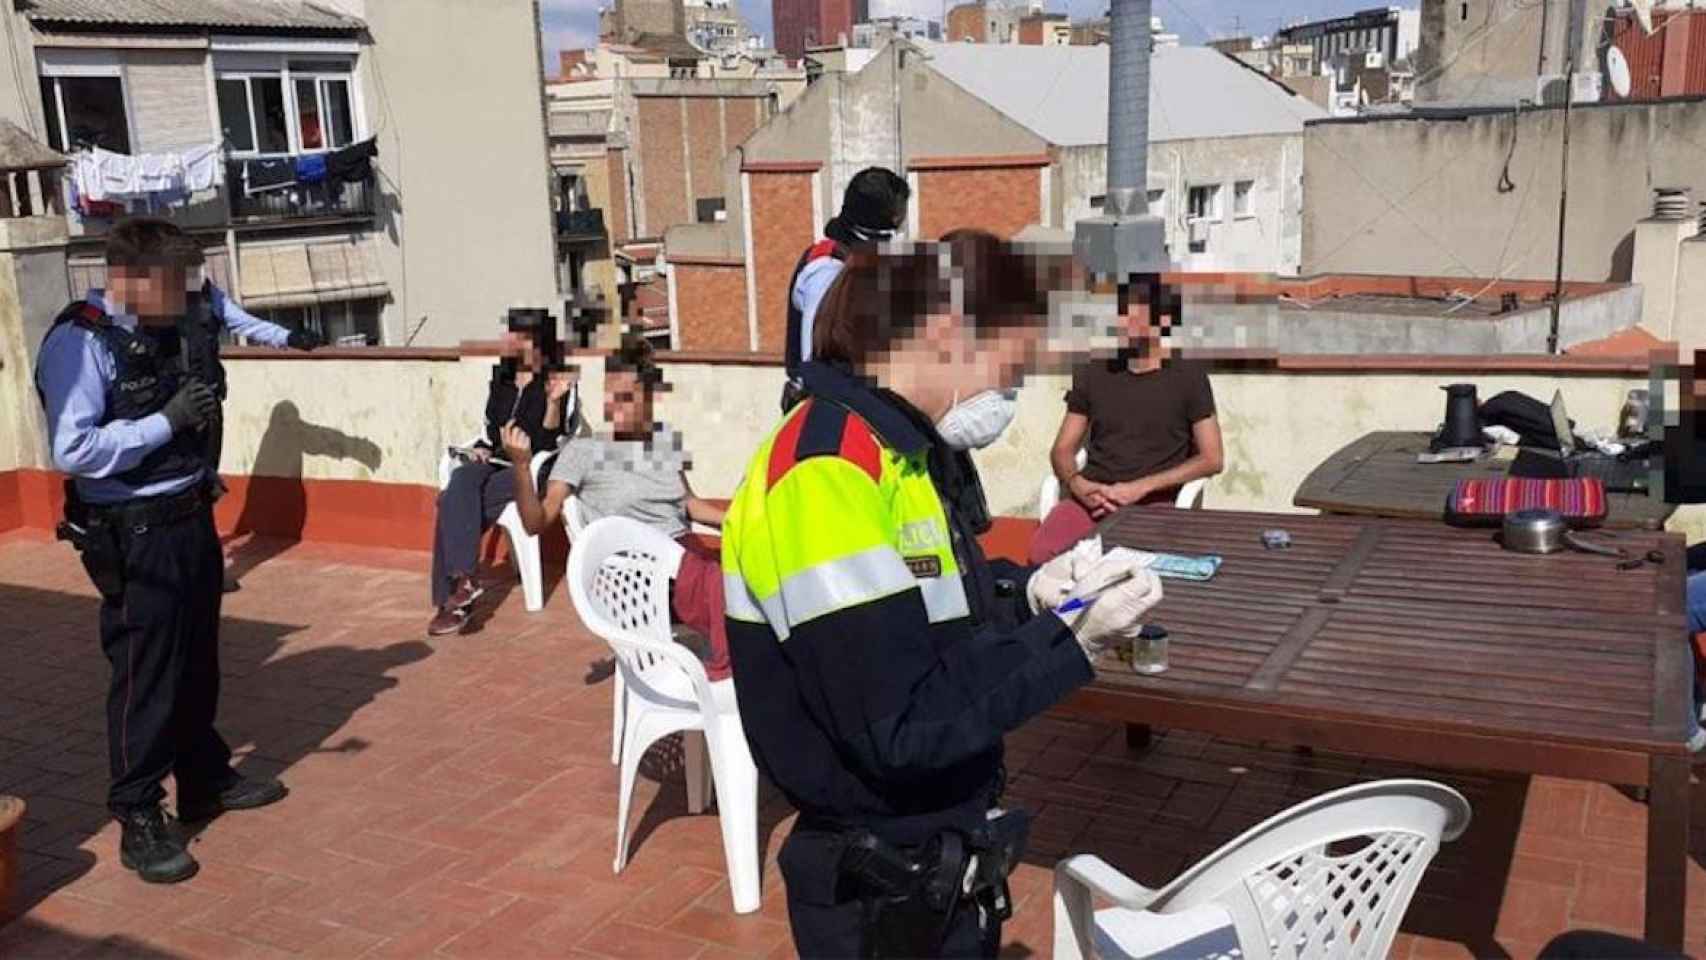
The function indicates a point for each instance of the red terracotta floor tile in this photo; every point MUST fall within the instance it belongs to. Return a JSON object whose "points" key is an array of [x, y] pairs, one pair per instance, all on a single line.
{"points": [[455, 799], [628, 940], [1611, 900]]}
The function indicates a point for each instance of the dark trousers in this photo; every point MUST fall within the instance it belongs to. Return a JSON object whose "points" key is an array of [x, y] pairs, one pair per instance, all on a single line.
{"points": [[1593, 945], [829, 926], [467, 507], [160, 633]]}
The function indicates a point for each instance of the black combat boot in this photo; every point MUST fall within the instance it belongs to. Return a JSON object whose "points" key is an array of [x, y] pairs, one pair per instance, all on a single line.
{"points": [[239, 794], [151, 848]]}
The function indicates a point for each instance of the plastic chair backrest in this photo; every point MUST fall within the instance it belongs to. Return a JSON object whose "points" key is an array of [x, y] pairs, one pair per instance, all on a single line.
{"points": [[574, 516], [619, 583], [1049, 495], [1332, 876]]}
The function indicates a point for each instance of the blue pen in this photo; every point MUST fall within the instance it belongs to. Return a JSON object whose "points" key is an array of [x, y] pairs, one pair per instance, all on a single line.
{"points": [[1078, 603]]}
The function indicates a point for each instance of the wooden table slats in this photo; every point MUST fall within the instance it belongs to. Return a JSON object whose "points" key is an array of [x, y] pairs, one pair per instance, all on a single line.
{"points": [[1426, 643], [1377, 475]]}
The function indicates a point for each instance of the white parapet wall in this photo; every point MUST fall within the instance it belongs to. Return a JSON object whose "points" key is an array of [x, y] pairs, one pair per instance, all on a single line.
{"points": [[389, 420]]}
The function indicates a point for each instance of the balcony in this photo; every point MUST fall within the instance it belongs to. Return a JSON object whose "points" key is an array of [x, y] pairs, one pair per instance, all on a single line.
{"points": [[580, 224], [301, 202]]}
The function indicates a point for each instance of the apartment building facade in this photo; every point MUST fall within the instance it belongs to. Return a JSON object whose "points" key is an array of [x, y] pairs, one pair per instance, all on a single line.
{"points": [[964, 124], [428, 241], [809, 23]]}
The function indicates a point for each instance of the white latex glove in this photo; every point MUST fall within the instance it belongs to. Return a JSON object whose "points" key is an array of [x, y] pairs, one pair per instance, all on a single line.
{"points": [[1053, 582], [1118, 613]]}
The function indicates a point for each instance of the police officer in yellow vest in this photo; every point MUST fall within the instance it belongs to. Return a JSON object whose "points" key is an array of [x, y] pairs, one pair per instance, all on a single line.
{"points": [[878, 657]]}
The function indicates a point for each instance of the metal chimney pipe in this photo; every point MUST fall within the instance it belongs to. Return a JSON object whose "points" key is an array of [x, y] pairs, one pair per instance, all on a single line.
{"points": [[1125, 240], [1128, 108]]}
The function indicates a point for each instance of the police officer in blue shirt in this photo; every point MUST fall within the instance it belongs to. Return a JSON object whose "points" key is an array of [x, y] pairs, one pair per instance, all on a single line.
{"points": [[224, 313], [129, 423]]}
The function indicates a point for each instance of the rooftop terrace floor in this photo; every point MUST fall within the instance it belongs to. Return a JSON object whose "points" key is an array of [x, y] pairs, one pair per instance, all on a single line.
{"points": [[456, 798]]}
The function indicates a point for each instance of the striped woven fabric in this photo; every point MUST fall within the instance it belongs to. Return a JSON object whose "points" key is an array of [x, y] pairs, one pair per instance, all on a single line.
{"points": [[1582, 498]]}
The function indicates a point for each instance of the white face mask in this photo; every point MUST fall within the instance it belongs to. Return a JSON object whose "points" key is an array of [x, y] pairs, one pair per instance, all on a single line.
{"points": [[979, 420]]}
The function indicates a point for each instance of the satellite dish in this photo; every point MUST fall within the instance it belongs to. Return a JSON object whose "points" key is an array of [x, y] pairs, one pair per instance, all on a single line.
{"points": [[1617, 72], [1643, 13]]}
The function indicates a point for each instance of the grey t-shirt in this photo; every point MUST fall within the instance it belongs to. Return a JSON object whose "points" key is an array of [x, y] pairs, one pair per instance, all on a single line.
{"points": [[640, 480]]}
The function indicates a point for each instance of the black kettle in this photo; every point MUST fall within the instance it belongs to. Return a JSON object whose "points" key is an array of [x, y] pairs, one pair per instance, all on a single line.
{"points": [[1462, 424]]}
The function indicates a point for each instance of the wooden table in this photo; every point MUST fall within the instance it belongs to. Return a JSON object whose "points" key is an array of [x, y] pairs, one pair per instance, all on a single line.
{"points": [[1423, 643], [1378, 476]]}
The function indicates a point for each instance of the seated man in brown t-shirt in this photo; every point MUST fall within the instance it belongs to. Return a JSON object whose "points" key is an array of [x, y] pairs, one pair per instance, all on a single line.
{"points": [[1150, 425]]}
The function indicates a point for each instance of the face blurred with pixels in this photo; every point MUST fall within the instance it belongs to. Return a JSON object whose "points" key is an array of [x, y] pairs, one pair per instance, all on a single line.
{"points": [[156, 294], [628, 403]]}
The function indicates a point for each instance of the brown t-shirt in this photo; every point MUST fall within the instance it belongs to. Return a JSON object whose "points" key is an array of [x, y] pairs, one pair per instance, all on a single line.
{"points": [[1140, 423]]}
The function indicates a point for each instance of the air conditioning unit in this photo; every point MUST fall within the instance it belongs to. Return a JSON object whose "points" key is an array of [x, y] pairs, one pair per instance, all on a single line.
{"points": [[1583, 87], [1199, 231]]}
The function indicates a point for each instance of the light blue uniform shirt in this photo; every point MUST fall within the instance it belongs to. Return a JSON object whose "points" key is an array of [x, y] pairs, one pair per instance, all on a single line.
{"points": [[815, 280], [73, 372]]}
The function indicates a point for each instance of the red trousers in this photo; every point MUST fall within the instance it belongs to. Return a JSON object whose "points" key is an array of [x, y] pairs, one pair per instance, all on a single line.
{"points": [[1069, 523], [696, 598], [1064, 526]]}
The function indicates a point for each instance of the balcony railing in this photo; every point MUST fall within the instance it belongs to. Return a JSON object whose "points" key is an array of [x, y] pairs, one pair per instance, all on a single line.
{"points": [[312, 201], [580, 223]]}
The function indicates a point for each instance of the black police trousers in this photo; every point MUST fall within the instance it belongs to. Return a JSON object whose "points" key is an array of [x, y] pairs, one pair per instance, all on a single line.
{"points": [[160, 633], [830, 926]]}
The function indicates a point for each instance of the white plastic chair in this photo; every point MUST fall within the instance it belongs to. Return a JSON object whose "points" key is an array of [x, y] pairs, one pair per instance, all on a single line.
{"points": [[1190, 495], [574, 521], [619, 583], [1284, 890], [523, 546]]}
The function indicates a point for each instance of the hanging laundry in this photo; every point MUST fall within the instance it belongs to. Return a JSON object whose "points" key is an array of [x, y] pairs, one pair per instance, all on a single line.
{"points": [[166, 178], [102, 174], [353, 163], [268, 174], [158, 173], [311, 168], [87, 209], [201, 167]]}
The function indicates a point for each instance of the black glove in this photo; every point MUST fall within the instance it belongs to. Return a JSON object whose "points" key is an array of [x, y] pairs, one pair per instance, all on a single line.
{"points": [[304, 340], [191, 407]]}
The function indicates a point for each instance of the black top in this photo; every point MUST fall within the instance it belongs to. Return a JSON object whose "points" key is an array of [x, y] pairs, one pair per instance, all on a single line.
{"points": [[526, 407], [1685, 458]]}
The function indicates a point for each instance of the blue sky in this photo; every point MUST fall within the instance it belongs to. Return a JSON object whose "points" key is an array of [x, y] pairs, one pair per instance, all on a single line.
{"points": [[569, 24]]}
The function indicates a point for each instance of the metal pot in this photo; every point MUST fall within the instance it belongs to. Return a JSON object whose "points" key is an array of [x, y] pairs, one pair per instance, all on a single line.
{"points": [[1544, 531], [1534, 531]]}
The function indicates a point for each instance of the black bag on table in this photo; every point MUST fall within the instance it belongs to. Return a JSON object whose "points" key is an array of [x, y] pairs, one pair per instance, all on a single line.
{"points": [[1527, 416]]}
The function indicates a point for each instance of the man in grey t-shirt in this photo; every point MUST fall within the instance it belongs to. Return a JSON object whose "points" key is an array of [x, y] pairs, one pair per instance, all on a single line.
{"points": [[638, 479], [638, 472]]}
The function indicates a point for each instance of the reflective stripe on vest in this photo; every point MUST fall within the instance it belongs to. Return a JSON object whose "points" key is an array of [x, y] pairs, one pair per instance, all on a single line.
{"points": [[795, 547]]}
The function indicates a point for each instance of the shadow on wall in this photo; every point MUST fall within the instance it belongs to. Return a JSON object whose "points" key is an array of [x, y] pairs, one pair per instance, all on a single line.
{"points": [[1622, 267], [275, 507]]}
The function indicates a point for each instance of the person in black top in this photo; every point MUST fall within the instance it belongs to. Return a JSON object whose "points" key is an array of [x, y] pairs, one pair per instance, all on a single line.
{"points": [[533, 390]]}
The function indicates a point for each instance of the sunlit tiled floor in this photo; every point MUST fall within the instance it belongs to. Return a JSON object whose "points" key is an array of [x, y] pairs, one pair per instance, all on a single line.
{"points": [[455, 797]]}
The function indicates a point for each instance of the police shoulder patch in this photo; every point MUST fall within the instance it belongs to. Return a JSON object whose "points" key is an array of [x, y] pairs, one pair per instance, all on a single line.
{"points": [[86, 315], [821, 429]]}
